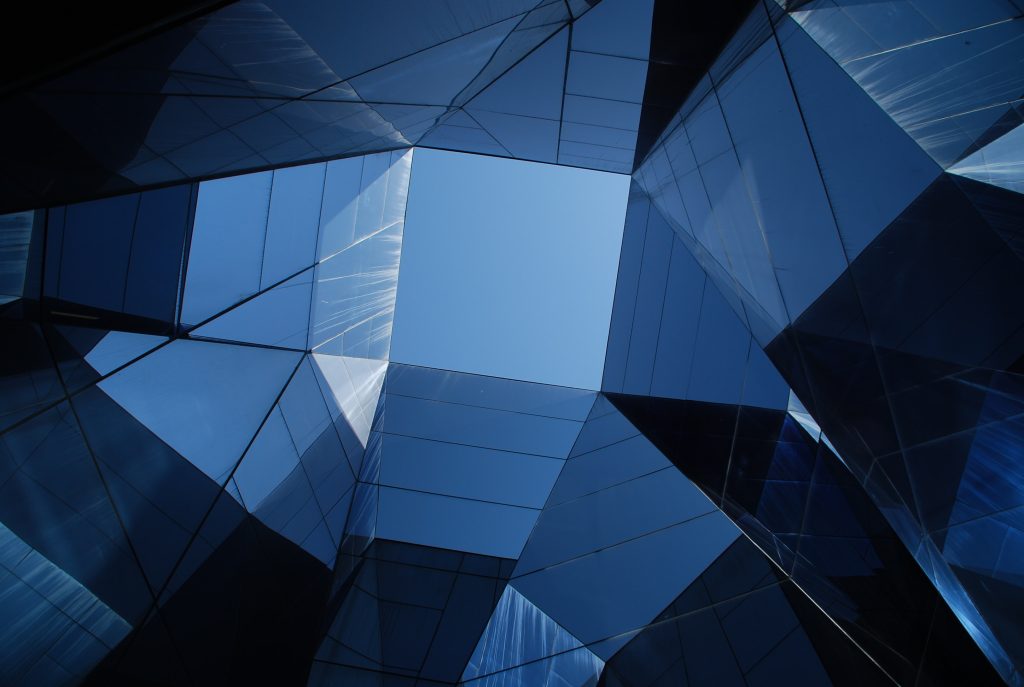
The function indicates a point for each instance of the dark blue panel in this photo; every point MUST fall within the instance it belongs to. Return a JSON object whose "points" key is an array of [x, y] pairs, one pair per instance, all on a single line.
{"points": [[28, 377], [16, 233], [60, 628], [97, 241], [57, 503], [763, 386], [720, 352], [161, 497], [151, 289]]}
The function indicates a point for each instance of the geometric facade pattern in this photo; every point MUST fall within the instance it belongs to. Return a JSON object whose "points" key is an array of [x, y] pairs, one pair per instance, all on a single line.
{"points": [[804, 462]]}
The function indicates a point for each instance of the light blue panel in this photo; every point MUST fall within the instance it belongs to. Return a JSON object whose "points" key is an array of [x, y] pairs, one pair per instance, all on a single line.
{"points": [[360, 244], [611, 516], [342, 182], [117, 348], [1000, 163], [490, 392], [436, 75], [293, 222], [355, 297], [625, 587], [383, 192], [278, 317], [871, 168], [226, 253], [267, 463], [517, 633], [206, 400], [468, 472], [351, 387], [532, 88], [798, 228], [448, 523], [481, 427]]}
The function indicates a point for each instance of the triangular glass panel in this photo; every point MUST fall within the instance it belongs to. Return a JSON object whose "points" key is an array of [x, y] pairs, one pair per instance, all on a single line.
{"points": [[355, 385], [206, 400], [1000, 163], [517, 634], [119, 348]]}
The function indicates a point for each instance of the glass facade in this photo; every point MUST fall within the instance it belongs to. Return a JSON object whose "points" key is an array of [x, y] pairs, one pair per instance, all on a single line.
{"points": [[802, 464]]}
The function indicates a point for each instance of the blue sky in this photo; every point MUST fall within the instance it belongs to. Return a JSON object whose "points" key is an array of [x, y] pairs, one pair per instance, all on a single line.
{"points": [[508, 268]]}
